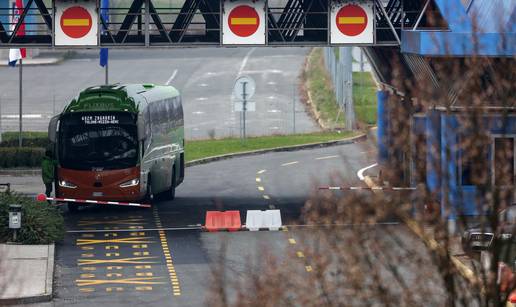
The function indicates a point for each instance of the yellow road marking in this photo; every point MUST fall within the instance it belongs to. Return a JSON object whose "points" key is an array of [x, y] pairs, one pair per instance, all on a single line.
{"points": [[114, 267], [292, 241], [140, 253], [176, 290], [144, 288], [87, 248], [258, 179], [261, 188], [112, 247], [262, 171], [135, 234], [111, 289], [290, 163], [136, 260], [144, 274], [140, 246], [88, 255], [142, 267], [308, 268], [112, 234], [114, 275], [87, 275], [87, 290], [89, 268], [112, 254], [285, 229], [121, 240], [128, 281], [87, 235], [351, 20], [135, 227], [300, 254]]}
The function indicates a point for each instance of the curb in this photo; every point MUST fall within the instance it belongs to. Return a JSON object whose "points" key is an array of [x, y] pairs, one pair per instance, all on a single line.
{"points": [[354, 139], [346, 141], [47, 296]]}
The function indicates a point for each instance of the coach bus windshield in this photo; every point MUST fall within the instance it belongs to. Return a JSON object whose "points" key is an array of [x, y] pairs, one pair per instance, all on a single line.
{"points": [[98, 141]]}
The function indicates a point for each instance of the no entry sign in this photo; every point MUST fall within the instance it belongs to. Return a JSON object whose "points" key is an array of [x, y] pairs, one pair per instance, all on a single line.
{"points": [[352, 22], [244, 22], [76, 23]]}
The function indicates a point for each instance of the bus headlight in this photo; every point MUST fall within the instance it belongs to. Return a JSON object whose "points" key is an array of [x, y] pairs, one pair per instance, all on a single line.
{"points": [[130, 183], [67, 184]]}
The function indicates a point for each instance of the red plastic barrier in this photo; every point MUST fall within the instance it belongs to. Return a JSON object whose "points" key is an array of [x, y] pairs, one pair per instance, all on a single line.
{"points": [[227, 220]]}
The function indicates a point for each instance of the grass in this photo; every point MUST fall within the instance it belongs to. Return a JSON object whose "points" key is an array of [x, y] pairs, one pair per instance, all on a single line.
{"points": [[12, 135], [320, 86], [206, 148], [364, 97]]}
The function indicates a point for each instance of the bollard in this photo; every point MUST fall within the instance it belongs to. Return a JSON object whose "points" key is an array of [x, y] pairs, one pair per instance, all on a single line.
{"points": [[15, 216]]}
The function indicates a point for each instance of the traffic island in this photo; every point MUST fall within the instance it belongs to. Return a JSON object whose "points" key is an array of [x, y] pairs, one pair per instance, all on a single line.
{"points": [[27, 273]]}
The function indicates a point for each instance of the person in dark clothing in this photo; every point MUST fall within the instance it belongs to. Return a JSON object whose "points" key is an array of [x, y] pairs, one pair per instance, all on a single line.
{"points": [[48, 165]]}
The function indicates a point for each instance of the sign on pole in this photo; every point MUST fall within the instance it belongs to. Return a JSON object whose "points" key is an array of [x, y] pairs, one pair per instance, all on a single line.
{"points": [[76, 23], [352, 22], [244, 88], [243, 22]]}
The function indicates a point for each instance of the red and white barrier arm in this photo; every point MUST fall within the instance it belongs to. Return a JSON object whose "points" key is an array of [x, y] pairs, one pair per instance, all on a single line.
{"points": [[43, 197], [366, 188]]}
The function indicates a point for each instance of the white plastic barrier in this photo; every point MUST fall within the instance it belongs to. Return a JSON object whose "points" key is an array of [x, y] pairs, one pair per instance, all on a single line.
{"points": [[268, 219]]}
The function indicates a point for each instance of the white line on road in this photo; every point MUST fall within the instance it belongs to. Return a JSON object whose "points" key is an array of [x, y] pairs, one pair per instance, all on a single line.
{"points": [[201, 98], [262, 171], [360, 173], [198, 112], [244, 61], [290, 163], [327, 157], [171, 77], [273, 111]]}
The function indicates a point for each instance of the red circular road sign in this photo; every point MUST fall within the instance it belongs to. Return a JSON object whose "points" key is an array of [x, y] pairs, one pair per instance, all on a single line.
{"points": [[76, 22], [243, 21], [351, 20]]}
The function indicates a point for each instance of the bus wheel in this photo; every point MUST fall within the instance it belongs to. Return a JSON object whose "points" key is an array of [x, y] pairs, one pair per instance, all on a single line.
{"points": [[170, 194], [148, 196], [73, 208]]}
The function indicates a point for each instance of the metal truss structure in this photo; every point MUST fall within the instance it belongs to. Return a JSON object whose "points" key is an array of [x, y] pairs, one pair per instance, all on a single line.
{"points": [[198, 23]]}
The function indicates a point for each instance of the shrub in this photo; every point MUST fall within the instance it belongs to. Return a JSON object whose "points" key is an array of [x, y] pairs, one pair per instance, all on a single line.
{"points": [[42, 223], [21, 156], [30, 139]]}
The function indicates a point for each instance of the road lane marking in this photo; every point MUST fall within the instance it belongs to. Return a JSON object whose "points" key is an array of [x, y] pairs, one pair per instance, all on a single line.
{"points": [[261, 188], [176, 290], [130, 240], [262, 171], [258, 179], [171, 77], [112, 222], [87, 290], [300, 254], [128, 281], [290, 163], [308, 268], [327, 157], [244, 61], [360, 172], [266, 197], [292, 241], [133, 260]]}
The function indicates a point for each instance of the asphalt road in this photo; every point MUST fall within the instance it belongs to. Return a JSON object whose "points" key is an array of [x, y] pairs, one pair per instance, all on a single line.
{"points": [[205, 77], [119, 256]]}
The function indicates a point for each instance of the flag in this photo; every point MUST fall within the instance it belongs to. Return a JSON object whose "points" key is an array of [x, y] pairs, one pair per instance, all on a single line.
{"points": [[16, 54], [104, 14]]}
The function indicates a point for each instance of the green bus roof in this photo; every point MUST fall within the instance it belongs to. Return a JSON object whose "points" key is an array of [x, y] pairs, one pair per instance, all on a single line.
{"points": [[118, 97]]}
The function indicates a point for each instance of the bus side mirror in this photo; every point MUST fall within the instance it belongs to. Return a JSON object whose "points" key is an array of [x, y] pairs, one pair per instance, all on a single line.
{"points": [[52, 129], [140, 123]]}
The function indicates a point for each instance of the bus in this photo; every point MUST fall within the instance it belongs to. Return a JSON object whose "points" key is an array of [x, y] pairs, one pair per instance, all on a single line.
{"points": [[119, 143]]}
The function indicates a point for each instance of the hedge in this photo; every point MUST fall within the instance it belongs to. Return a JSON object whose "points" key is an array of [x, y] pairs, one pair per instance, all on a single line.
{"points": [[21, 156], [42, 223], [30, 139]]}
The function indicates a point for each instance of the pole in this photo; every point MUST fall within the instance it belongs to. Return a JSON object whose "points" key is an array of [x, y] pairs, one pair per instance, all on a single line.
{"points": [[107, 73], [244, 109], [294, 109], [20, 141]]}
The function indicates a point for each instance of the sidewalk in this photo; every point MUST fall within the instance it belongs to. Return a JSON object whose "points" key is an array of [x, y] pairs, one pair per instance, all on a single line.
{"points": [[27, 273], [27, 182]]}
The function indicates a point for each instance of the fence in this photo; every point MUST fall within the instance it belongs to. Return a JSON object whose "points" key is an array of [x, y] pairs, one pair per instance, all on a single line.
{"points": [[339, 63]]}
